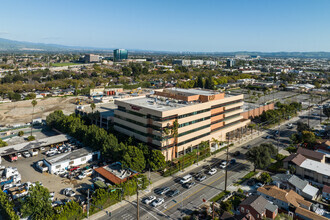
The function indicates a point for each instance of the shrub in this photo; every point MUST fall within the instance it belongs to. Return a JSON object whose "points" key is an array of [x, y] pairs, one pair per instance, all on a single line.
{"points": [[31, 138], [20, 133]]}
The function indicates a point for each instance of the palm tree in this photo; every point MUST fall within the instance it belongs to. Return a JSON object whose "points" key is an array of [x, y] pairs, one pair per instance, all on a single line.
{"points": [[215, 141], [93, 106], [166, 133], [34, 103]]}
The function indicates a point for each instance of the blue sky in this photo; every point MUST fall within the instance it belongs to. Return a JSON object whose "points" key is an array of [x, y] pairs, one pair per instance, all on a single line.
{"points": [[171, 25]]}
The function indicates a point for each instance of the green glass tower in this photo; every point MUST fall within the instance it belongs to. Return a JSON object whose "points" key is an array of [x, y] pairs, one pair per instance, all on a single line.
{"points": [[120, 54]]}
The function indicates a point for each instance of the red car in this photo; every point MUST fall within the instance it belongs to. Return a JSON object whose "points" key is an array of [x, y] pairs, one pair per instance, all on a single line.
{"points": [[73, 168]]}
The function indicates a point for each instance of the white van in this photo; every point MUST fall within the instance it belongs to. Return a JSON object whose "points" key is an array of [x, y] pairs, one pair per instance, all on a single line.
{"points": [[186, 179]]}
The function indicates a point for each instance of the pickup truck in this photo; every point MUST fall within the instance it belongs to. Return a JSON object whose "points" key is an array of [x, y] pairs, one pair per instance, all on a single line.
{"points": [[33, 152]]}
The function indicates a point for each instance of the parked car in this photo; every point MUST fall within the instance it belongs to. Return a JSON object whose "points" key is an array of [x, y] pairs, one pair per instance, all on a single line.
{"points": [[189, 185], [69, 192], [212, 171], [98, 179], [186, 179], [259, 185], [19, 155], [237, 153], [173, 193], [26, 154], [82, 176], [232, 161], [157, 202], [149, 199], [201, 178], [42, 148], [223, 165], [164, 190]]}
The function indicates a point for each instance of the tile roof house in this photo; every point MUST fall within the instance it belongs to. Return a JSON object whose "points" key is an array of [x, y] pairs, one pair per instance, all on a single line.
{"points": [[308, 215], [286, 200], [303, 188], [257, 208], [293, 159], [310, 154]]}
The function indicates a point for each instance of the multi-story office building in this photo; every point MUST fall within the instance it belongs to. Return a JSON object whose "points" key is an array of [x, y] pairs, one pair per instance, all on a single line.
{"points": [[120, 54], [230, 63], [195, 115], [91, 58]]}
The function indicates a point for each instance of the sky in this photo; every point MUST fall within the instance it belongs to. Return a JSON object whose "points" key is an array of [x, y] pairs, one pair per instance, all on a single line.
{"points": [[171, 25]]}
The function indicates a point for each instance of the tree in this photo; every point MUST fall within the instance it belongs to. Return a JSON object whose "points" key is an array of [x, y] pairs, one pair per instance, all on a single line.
{"points": [[226, 206], [265, 178], [37, 204], [156, 160], [200, 82], [133, 158], [31, 138], [261, 155], [20, 133], [31, 96], [326, 111], [93, 106], [33, 103], [3, 143], [308, 137], [302, 127]]}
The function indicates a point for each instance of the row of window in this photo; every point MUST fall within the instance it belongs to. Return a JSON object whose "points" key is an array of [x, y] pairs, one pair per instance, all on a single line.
{"points": [[226, 104], [139, 123], [139, 132], [194, 121]]}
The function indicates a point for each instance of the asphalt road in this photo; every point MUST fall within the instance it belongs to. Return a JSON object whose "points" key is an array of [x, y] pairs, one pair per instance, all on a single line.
{"points": [[191, 199]]}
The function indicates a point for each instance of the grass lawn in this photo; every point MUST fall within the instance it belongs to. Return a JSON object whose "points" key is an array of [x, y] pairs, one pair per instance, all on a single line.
{"points": [[246, 177], [219, 196], [64, 64]]}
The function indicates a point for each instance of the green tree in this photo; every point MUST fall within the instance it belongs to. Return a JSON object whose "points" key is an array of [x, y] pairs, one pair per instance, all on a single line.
{"points": [[302, 127], [133, 158], [156, 160], [308, 137], [261, 155], [200, 82], [37, 204], [226, 206], [265, 178], [326, 111], [93, 106], [3, 143], [20, 133], [31, 96]]}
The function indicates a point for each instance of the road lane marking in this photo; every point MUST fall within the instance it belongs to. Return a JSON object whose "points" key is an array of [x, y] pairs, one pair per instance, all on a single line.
{"points": [[198, 190]]}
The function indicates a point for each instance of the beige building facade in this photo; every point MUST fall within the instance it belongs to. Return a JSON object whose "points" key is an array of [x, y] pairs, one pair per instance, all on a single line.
{"points": [[194, 115]]}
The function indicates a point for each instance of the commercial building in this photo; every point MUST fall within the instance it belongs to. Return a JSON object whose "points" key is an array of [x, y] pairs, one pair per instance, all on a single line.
{"points": [[231, 63], [120, 54], [195, 115], [71, 159], [91, 58], [115, 174]]}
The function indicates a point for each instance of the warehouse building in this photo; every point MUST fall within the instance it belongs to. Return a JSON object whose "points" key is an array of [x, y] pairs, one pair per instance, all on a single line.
{"points": [[199, 115], [71, 159]]}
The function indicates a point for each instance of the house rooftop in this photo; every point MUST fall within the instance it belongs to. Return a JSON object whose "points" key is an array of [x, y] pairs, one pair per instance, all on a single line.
{"points": [[295, 158], [258, 203], [310, 154], [326, 189], [309, 214], [316, 166]]}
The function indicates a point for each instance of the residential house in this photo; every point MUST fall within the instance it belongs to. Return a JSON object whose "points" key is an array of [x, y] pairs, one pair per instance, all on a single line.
{"points": [[326, 192], [310, 154], [257, 207], [286, 200], [305, 214]]}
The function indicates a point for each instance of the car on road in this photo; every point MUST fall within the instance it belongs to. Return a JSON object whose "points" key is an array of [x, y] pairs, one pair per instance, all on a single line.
{"points": [[149, 199], [98, 179], [200, 178], [164, 190], [315, 114], [237, 153], [189, 185], [212, 171], [247, 147], [173, 193], [157, 202], [186, 179], [26, 154]]}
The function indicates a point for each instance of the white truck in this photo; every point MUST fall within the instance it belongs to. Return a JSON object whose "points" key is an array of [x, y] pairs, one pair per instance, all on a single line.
{"points": [[40, 165], [33, 152]]}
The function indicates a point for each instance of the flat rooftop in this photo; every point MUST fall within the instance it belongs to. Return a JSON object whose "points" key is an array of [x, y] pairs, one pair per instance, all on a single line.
{"points": [[82, 152], [105, 109], [316, 166], [117, 170], [190, 92], [33, 144]]}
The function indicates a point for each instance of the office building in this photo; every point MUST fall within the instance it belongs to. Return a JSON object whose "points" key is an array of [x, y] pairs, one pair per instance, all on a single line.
{"points": [[230, 63], [91, 58], [120, 54], [199, 115]]}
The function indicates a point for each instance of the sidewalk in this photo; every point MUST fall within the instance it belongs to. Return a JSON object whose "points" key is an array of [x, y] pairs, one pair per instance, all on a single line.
{"points": [[163, 180]]}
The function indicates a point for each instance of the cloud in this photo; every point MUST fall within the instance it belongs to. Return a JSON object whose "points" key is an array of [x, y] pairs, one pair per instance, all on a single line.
{"points": [[50, 38], [4, 33]]}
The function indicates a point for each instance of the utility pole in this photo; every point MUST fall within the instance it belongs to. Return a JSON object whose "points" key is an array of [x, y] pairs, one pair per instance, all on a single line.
{"points": [[183, 160], [87, 203], [197, 153], [227, 162], [321, 107], [309, 109], [137, 200]]}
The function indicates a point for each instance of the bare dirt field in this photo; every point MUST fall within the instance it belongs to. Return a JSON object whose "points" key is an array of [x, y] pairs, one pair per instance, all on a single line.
{"points": [[20, 112]]}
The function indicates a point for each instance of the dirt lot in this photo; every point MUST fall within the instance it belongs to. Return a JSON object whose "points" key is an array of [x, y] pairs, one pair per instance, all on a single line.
{"points": [[53, 182], [20, 112]]}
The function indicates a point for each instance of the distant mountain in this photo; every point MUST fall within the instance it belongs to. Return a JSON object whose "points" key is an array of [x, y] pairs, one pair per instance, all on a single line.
{"points": [[21, 46], [15, 46]]}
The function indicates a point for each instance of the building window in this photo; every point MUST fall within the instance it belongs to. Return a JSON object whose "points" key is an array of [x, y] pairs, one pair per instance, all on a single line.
{"points": [[83, 159]]}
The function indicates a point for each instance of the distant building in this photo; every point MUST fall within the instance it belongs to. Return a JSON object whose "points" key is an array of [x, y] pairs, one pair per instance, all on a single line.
{"points": [[120, 54], [230, 63], [91, 58]]}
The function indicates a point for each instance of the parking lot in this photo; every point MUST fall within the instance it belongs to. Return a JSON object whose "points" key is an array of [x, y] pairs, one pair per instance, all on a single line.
{"points": [[53, 182]]}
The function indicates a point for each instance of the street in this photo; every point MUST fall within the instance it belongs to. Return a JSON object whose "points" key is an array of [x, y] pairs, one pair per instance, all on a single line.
{"points": [[190, 199]]}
